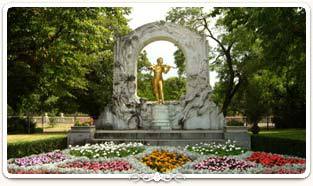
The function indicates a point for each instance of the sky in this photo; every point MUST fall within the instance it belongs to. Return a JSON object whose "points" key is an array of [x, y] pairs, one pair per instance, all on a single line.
{"points": [[143, 14]]}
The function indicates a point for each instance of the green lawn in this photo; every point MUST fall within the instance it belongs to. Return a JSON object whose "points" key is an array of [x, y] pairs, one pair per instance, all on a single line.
{"points": [[15, 138], [293, 134]]}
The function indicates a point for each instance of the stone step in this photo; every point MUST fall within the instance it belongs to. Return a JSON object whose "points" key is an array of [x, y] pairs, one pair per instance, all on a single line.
{"points": [[161, 142], [159, 131], [159, 134]]}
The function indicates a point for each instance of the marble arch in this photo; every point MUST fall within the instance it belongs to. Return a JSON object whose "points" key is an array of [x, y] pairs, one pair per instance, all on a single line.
{"points": [[195, 110]]}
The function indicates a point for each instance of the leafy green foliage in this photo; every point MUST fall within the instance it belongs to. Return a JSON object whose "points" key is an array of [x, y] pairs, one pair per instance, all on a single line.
{"points": [[54, 52], [144, 77], [27, 148], [180, 62], [260, 59], [19, 125], [235, 123], [234, 49], [281, 32], [256, 102], [174, 88]]}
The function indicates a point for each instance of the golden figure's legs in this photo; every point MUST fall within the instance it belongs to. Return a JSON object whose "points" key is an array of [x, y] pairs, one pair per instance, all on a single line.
{"points": [[156, 89], [160, 83]]}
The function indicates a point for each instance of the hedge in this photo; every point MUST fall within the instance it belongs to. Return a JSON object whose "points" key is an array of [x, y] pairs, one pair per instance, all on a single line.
{"points": [[278, 145], [21, 149]]}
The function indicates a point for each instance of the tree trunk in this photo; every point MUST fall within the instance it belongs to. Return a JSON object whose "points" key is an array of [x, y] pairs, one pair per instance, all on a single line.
{"points": [[255, 128]]}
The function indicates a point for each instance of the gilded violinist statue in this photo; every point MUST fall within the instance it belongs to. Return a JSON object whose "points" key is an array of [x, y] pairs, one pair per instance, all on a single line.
{"points": [[157, 81]]}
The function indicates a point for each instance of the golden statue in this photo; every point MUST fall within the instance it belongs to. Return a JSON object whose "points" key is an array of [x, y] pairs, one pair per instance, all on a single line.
{"points": [[157, 81]]}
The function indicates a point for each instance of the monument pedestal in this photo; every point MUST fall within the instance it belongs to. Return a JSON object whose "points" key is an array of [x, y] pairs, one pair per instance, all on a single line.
{"points": [[160, 117]]}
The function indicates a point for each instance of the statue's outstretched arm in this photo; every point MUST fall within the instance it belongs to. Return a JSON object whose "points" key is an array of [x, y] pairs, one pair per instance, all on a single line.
{"points": [[167, 68], [152, 67]]}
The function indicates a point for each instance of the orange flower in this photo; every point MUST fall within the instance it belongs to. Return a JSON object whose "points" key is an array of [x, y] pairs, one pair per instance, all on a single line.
{"points": [[164, 161]]}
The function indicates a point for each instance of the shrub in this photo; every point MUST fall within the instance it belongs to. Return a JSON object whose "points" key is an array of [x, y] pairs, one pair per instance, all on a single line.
{"points": [[21, 149], [278, 145], [20, 126], [79, 123]]}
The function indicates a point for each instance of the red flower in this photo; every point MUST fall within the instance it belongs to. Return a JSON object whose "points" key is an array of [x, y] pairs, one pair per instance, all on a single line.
{"points": [[269, 160]]}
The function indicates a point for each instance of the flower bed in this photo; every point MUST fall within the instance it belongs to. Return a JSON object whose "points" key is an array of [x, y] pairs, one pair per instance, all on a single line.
{"points": [[223, 163], [164, 161], [103, 166], [283, 171], [229, 148], [131, 158], [50, 157], [107, 150], [39, 171], [270, 160]]}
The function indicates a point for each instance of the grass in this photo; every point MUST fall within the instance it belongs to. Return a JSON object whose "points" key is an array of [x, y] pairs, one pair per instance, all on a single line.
{"points": [[293, 134], [16, 138], [280, 141], [58, 128]]}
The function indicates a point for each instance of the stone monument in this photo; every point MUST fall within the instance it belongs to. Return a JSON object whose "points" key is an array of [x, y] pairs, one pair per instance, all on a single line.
{"points": [[192, 119], [195, 111]]}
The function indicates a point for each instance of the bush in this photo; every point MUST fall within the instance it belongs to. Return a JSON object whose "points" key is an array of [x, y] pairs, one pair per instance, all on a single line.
{"points": [[235, 123], [21, 126], [278, 145], [21, 149]]}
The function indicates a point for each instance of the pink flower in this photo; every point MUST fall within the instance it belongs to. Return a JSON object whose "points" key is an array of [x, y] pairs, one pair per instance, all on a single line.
{"points": [[222, 163], [112, 165]]}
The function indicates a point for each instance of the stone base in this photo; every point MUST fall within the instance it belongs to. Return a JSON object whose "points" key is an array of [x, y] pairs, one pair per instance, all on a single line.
{"points": [[160, 117], [160, 137], [239, 134], [80, 135]]}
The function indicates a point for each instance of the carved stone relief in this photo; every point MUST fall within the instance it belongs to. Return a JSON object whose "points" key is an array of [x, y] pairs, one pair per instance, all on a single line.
{"points": [[195, 109]]}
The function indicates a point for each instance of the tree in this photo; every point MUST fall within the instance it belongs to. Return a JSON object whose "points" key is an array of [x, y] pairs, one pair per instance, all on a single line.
{"points": [[174, 88], [54, 50], [180, 62], [255, 41], [282, 35], [144, 78], [231, 45]]}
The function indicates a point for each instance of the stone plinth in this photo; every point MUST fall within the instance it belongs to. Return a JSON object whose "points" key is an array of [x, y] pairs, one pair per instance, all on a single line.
{"points": [[160, 117], [239, 134], [80, 135], [160, 137]]}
